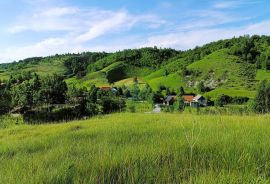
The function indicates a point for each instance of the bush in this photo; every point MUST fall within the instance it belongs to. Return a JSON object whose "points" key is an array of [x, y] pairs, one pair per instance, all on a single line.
{"points": [[55, 114], [168, 108], [225, 99], [131, 107], [239, 100]]}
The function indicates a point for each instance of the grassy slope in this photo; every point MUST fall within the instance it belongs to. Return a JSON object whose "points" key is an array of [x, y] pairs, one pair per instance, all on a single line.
{"points": [[139, 148], [231, 92], [99, 78], [216, 66], [43, 69], [173, 80], [220, 66], [263, 75]]}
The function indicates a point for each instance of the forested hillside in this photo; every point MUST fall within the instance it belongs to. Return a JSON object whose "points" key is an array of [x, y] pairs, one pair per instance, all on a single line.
{"points": [[232, 67]]}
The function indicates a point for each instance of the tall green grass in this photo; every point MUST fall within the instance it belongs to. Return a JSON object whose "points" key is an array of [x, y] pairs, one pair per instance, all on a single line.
{"points": [[139, 148]]}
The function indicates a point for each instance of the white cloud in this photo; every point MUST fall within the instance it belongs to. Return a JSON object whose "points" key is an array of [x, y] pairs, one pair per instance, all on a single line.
{"points": [[114, 22], [79, 27], [234, 3], [80, 20], [178, 40], [189, 39]]}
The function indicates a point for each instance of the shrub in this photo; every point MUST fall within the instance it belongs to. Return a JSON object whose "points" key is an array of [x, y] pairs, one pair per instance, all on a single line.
{"points": [[131, 107]]}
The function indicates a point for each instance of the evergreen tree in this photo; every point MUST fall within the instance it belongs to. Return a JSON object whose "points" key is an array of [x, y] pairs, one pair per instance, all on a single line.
{"points": [[181, 91]]}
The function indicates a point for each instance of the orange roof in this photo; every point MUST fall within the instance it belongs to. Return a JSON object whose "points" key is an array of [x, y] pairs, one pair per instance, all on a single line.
{"points": [[105, 88], [188, 98]]}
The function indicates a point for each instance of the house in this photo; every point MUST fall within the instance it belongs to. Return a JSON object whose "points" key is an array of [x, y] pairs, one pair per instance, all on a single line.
{"points": [[188, 99], [114, 90], [200, 100], [170, 99], [194, 101], [105, 88]]}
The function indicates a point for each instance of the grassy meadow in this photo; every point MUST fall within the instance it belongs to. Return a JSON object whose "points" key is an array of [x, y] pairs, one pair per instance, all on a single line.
{"points": [[138, 148]]}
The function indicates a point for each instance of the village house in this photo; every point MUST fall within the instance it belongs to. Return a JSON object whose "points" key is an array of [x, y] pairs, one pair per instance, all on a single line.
{"points": [[189, 100], [169, 100], [107, 88], [199, 100]]}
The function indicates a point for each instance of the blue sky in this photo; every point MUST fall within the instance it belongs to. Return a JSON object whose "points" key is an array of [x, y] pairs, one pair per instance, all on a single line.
{"points": [[45, 27]]}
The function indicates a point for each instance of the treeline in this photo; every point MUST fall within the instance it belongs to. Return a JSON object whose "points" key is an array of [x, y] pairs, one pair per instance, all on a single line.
{"points": [[147, 57], [77, 65], [49, 99], [251, 49]]}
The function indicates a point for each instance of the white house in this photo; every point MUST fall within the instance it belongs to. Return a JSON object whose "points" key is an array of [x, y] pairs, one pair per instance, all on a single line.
{"points": [[199, 100]]}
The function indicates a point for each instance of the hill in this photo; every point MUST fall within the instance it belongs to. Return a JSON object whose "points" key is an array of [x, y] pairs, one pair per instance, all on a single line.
{"points": [[138, 148], [233, 66]]}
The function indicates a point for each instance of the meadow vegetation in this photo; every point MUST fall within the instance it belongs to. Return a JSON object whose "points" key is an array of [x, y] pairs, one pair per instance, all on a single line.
{"points": [[139, 148]]}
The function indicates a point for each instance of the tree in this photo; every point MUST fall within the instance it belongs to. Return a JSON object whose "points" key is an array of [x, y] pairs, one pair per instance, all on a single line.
{"points": [[135, 80], [166, 72], [5, 101], [145, 93], [35, 88], [22, 95], [53, 90], [168, 91], [180, 104], [92, 94], [111, 104], [157, 97], [135, 91], [222, 100], [262, 99], [201, 87], [181, 91], [92, 109]]}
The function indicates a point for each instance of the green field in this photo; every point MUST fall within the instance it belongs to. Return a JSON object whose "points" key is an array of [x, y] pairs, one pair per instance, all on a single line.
{"points": [[263, 75], [43, 69], [139, 148], [232, 92]]}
